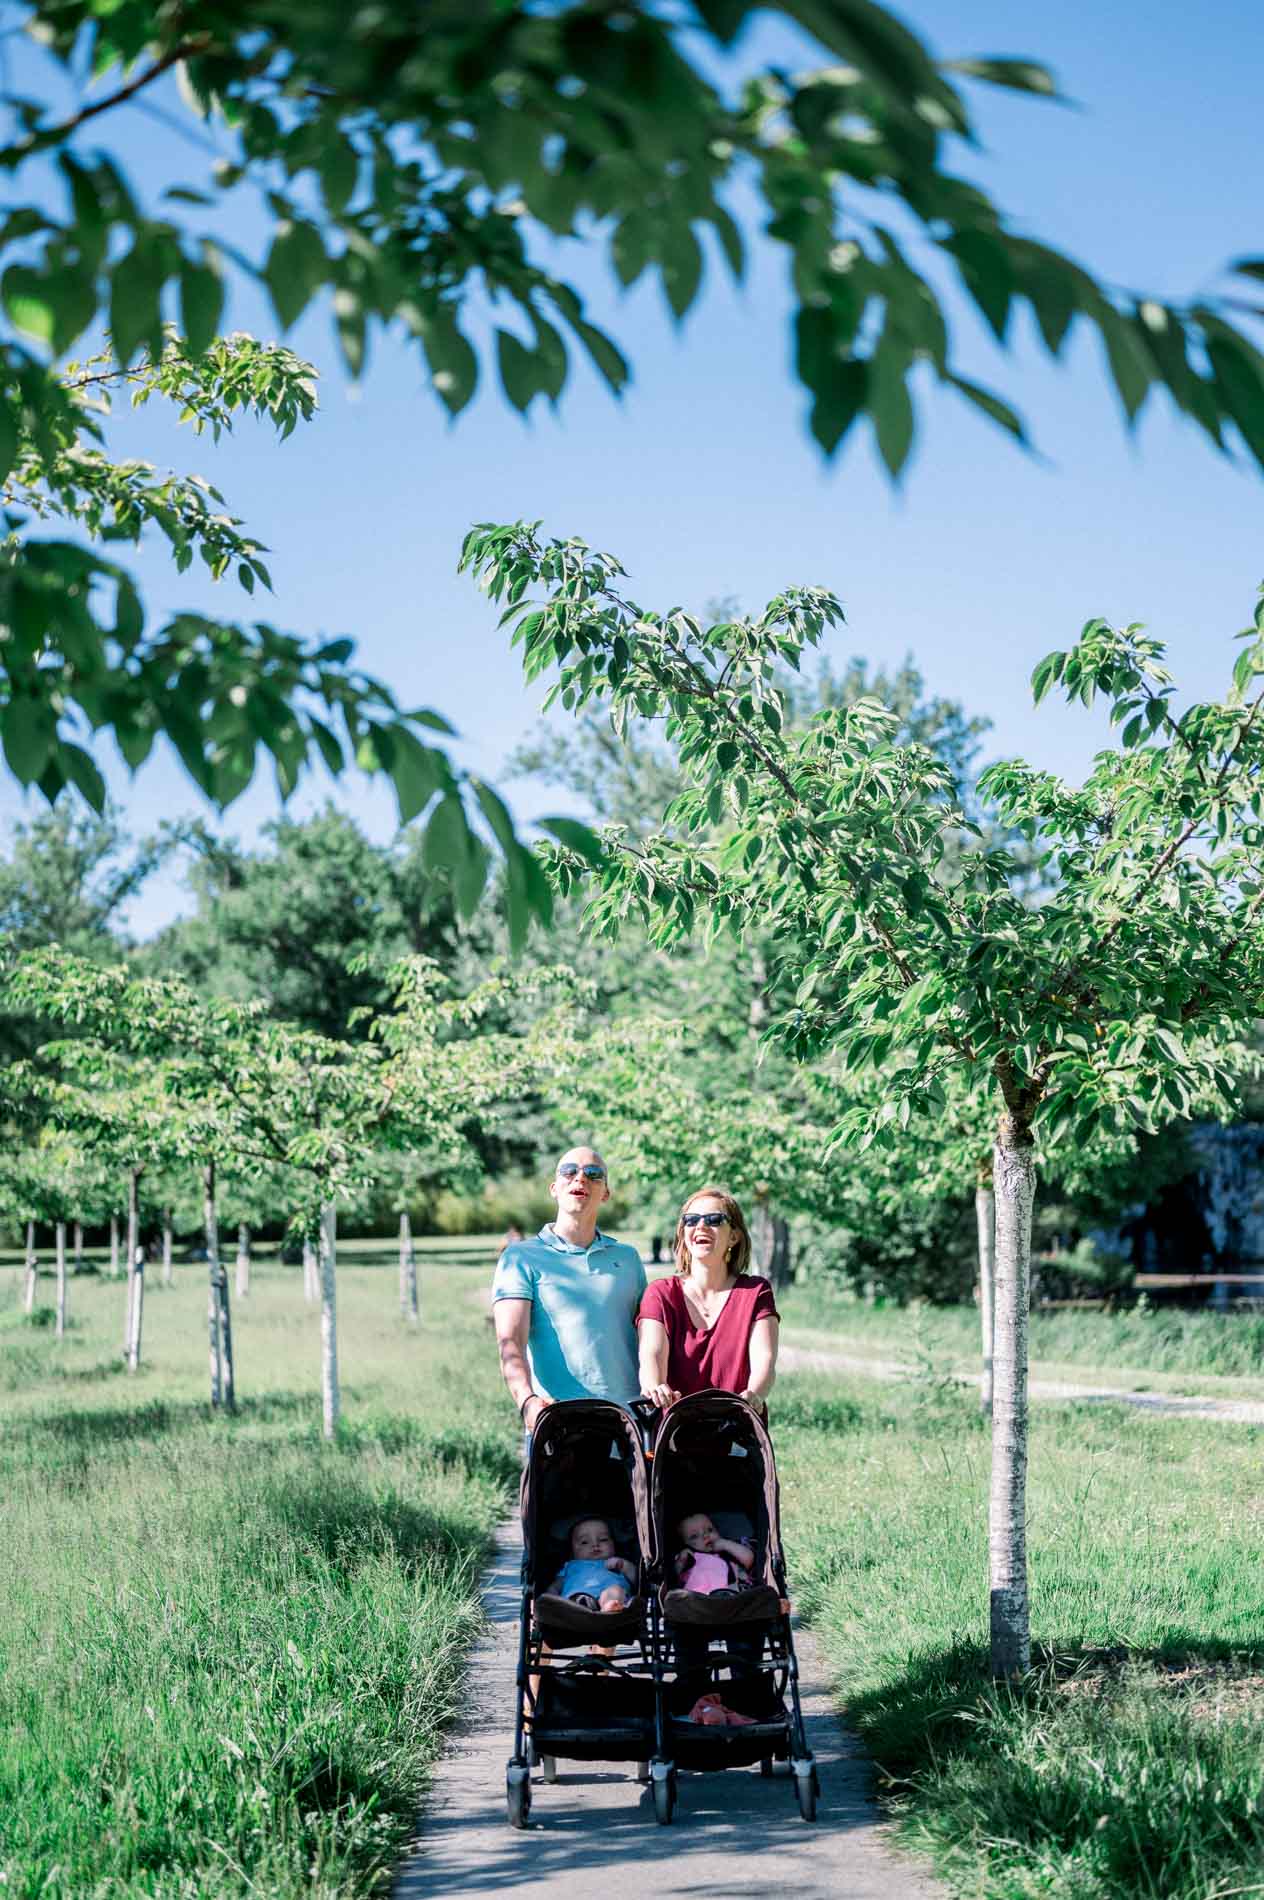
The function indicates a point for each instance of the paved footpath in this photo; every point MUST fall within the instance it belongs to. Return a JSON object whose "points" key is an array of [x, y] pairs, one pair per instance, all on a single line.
{"points": [[827, 1358], [593, 1835]]}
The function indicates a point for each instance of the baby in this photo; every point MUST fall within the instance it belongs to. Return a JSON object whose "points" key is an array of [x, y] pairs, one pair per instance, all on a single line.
{"points": [[710, 1564], [595, 1577]]}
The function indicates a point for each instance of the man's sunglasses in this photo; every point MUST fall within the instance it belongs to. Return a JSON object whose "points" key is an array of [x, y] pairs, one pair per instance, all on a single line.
{"points": [[704, 1220], [567, 1171]]}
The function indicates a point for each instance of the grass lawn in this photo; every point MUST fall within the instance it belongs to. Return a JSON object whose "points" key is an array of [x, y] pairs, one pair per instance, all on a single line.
{"points": [[227, 1651], [1158, 1347], [1133, 1766]]}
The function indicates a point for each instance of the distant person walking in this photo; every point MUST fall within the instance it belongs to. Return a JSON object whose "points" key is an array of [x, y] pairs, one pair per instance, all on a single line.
{"points": [[565, 1302]]}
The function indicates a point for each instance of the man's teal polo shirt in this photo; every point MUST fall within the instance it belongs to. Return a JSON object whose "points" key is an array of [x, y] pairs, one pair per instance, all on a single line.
{"points": [[582, 1342]]}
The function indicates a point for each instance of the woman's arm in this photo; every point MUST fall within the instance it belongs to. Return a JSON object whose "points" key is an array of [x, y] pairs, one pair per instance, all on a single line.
{"points": [[763, 1361], [652, 1355]]}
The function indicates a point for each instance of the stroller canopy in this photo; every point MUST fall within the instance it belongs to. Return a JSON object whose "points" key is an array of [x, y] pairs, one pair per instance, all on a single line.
{"points": [[586, 1460]]}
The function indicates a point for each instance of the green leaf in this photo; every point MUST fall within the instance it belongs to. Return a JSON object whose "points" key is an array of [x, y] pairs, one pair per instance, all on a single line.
{"points": [[839, 400], [201, 304], [447, 837], [79, 767], [8, 433], [27, 302], [891, 406], [987, 274], [136, 302], [576, 837], [338, 169], [296, 269], [519, 371], [1249, 267], [417, 771], [1130, 366], [680, 262], [453, 364], [1016, 75], [496, 812], [991, 405], [30, 733]]}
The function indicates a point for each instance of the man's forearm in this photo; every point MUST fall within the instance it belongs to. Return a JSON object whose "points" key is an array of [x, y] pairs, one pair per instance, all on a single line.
{"points": [[513, 1363]]}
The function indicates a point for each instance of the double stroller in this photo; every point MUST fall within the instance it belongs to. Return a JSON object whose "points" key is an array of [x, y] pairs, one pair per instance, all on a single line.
{"points": [[597, 1685]]}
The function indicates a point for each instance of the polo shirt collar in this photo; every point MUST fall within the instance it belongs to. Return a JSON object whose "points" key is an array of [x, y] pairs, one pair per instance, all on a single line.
{"points": [[549, 1235]]}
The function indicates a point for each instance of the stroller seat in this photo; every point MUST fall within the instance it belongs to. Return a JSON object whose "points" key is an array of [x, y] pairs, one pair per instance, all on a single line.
{"points": [[562, 1622], [760, 1604]]}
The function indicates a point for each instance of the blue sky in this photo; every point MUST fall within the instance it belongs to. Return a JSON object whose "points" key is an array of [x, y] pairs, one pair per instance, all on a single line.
{"points": [[704, 480]]}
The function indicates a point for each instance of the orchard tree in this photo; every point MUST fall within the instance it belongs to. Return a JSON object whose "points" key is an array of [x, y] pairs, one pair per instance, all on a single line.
{"points": [[1112, 1004], [251, 1090]]}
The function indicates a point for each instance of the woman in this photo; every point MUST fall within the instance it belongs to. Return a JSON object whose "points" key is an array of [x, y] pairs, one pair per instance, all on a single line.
{"points": [[711, 1323]]}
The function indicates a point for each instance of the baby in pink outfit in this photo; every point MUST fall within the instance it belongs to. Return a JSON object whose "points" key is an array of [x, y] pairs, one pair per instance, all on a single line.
{"points": [[710, 1563]]}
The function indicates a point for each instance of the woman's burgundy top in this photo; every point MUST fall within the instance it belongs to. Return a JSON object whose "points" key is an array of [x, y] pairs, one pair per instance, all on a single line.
{"points": [[697, 1356]]}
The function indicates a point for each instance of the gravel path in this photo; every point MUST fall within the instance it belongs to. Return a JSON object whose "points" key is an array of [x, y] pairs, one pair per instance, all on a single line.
{"points": [[593, 1835], [1176, 1404]]}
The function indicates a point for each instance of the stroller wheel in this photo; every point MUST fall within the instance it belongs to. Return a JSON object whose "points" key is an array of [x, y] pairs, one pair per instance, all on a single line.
{"points": [[518, 1793], [663, 1781], [806, 1786]]}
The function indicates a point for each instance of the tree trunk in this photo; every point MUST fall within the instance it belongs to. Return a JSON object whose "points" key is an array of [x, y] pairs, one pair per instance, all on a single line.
{"points": [[219, 1317], [32, 1269], [243, 1261], [61, 1279], [770, 1245], [311, 1273], [78, 1246], [1014, 1182], [168, 1272], [407, 1273], [330, 1398], [138, 1310], [985, 1219], [114, 1246], [133, 1248]]}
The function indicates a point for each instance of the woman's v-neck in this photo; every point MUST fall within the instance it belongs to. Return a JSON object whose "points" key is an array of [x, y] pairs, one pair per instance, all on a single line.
{"points": [[705, 1330]]}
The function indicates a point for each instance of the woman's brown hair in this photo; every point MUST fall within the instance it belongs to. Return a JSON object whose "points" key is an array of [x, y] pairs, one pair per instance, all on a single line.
{"points": [[738, 1257]]}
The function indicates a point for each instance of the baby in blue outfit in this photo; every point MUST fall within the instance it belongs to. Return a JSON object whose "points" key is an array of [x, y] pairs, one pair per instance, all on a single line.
{"points": [[595, 1577]]}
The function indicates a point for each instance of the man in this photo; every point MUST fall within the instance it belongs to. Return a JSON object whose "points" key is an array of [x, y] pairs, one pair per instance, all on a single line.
{"points": [[565, 1303]]}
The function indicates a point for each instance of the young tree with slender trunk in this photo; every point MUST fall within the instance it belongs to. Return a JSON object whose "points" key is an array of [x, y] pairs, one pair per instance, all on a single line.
{"points": [[1109, 1005], [985, 1220], [32, 1270], [60, 1244], [408, 1304], [218, 1314]]}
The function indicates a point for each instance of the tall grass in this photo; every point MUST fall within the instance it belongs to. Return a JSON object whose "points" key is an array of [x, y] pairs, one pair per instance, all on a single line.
{"points": [[1131, 1765], [227, 1653]]}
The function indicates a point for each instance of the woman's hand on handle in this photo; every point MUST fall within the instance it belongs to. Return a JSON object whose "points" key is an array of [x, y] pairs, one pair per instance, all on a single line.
{"points": [[660, 1394]]}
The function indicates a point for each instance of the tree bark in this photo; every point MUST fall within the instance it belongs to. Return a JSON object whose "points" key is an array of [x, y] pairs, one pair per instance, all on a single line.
{"points": [[219, 1317], [243, 1261], [407, 1273], [985, 1219], [61, 1279], [168, 1271], [138, 1311], [32, 1269], [78, 1231], [331, 1403], [114, 1246], [1014, 1183], [133, 1248], [311, 1273]]}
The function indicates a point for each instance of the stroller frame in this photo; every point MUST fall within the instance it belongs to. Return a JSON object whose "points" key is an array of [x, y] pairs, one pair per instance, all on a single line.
{"points": [[636, 1679]]}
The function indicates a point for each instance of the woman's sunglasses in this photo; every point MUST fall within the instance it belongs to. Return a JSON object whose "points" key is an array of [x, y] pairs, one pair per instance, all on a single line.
{"points": [[704, 1220], [591, 1172]]}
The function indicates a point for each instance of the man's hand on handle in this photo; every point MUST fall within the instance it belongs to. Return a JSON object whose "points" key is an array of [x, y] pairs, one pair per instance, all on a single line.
{"points": [[660, 1395]]}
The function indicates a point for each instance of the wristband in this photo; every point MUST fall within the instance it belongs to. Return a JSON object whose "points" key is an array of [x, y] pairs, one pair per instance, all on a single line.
{"points": [[522, 1409]]}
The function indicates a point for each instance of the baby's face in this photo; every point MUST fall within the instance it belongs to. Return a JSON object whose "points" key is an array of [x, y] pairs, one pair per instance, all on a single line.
{"points": [[591, 1540], [699, 1533]]}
